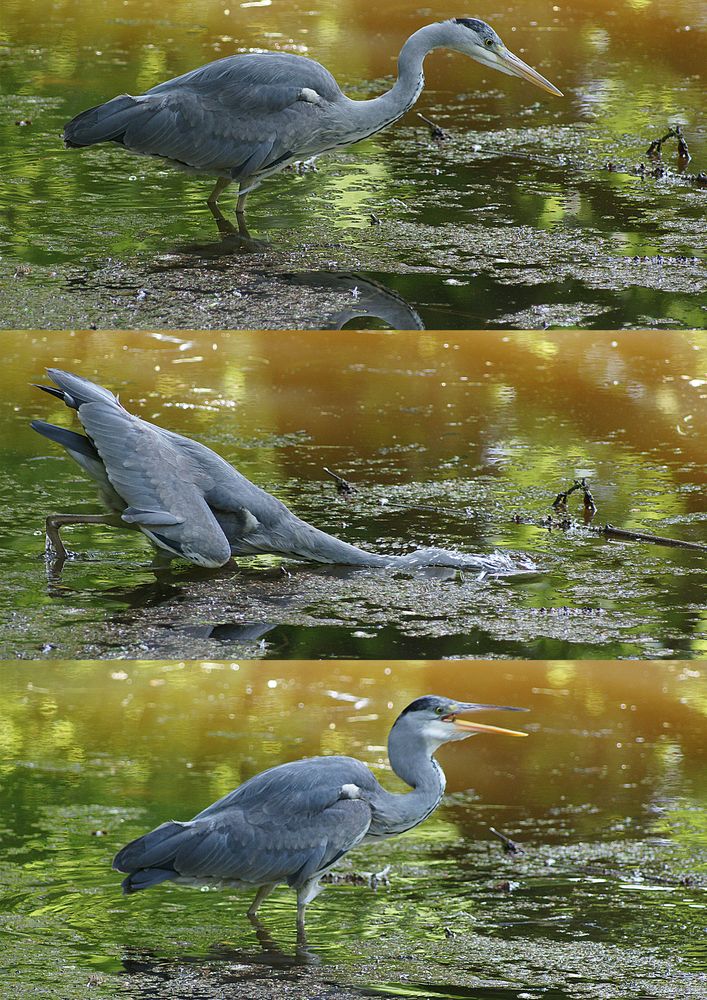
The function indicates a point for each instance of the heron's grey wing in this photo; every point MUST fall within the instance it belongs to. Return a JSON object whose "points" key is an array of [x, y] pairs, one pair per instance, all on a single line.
{"points": [[237, 117], [305, 784], [250, 518], [288, 824], [84, 454], [238, 79], [158, 484]]}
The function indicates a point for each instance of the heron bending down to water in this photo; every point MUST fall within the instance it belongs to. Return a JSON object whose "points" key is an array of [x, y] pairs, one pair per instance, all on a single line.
{"points": [[247, 116], [189, 501], [292, 823]]}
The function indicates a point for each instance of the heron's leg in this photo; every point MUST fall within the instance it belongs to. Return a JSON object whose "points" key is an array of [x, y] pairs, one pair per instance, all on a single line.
{"points": [[240, 204], [240, 210], [219, 187], [309, 891], [262, 894], [161, 559], [301, 932], [55, 547]]}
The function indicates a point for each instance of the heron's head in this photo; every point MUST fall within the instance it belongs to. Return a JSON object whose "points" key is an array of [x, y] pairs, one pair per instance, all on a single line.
{"points": [[477, 39], [437, 720]]}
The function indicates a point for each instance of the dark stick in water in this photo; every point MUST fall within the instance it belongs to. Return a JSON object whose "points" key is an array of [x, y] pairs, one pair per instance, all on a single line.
{"points": [[607, 530]]}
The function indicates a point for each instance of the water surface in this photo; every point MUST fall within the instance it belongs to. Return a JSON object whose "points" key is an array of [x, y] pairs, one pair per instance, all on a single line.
{"points": [[447, 437], [513, 221]]}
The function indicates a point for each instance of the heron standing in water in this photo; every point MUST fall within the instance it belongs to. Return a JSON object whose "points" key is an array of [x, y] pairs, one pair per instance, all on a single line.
{"points": [[292, 823], [247, 116]]}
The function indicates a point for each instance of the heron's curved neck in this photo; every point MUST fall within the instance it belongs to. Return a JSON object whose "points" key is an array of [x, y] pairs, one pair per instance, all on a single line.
{"points": [[408, 87], [412, 761]]}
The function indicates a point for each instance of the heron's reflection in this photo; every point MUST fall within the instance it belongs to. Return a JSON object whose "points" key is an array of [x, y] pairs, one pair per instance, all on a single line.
{"points": [[230, 631], [366, 298], [252, 962], [369, 299]]}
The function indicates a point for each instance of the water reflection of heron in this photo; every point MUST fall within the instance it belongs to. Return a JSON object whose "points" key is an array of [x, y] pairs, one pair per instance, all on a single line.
{"points": [[190, 502], [358, 296], [247, 116], [292, 823], [366, 298]]}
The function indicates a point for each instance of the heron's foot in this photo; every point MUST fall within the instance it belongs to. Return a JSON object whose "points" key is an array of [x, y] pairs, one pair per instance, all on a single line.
{"points": [[370, 879], [304, 166], [303, 954], [55, 553], [237, 236]]}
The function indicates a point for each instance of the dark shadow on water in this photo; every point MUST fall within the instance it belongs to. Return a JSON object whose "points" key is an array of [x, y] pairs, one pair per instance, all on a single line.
{"points": [[231, 631], [452, 992]]}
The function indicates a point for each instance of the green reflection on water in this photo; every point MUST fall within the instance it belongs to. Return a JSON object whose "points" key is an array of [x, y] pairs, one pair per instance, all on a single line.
{"points": [[606, 797]]}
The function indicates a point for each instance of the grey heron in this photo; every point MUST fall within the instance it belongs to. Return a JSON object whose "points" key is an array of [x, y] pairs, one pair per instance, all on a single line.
{"points": [[292, 823], [190, 502], [246, 116]]}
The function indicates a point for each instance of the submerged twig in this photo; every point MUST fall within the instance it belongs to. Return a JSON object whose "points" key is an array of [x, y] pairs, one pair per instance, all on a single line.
{"points": [[674, 132], [687, 881], [437, 132], [608, 531], [342, 485], [509, 846], [590, 507], [623, 534]]}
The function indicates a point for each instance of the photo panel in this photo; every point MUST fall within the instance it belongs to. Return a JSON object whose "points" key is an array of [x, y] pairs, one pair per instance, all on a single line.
{"points": [[477, 494], [569, 863]]}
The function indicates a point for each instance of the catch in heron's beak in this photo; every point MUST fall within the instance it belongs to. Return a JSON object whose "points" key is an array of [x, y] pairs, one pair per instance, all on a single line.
{"points": [[479, 727], [511, 64]]}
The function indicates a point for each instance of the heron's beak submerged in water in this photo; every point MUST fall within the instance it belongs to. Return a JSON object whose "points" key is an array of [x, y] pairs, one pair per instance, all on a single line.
{"points": [[478, 727]]}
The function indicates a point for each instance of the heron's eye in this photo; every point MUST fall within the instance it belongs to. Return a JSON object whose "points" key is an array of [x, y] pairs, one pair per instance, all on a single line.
{"points": [[439, 710], [489, 42]]}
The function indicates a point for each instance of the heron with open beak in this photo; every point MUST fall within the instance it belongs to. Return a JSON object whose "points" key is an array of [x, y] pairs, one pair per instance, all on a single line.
{"points": [[292, 823]]}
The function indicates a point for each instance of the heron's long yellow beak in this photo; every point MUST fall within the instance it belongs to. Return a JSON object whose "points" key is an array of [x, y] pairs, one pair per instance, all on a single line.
{"points": [[517, 67], [479, 727]]}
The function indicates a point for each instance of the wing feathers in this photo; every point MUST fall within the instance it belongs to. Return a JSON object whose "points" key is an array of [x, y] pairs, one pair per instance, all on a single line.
{"points": [[269, 834], [236, 117]]}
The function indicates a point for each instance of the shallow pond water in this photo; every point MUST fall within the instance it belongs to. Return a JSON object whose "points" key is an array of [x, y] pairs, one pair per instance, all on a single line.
{"points": [[513, 221], [448, 439], [606, 799]]}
